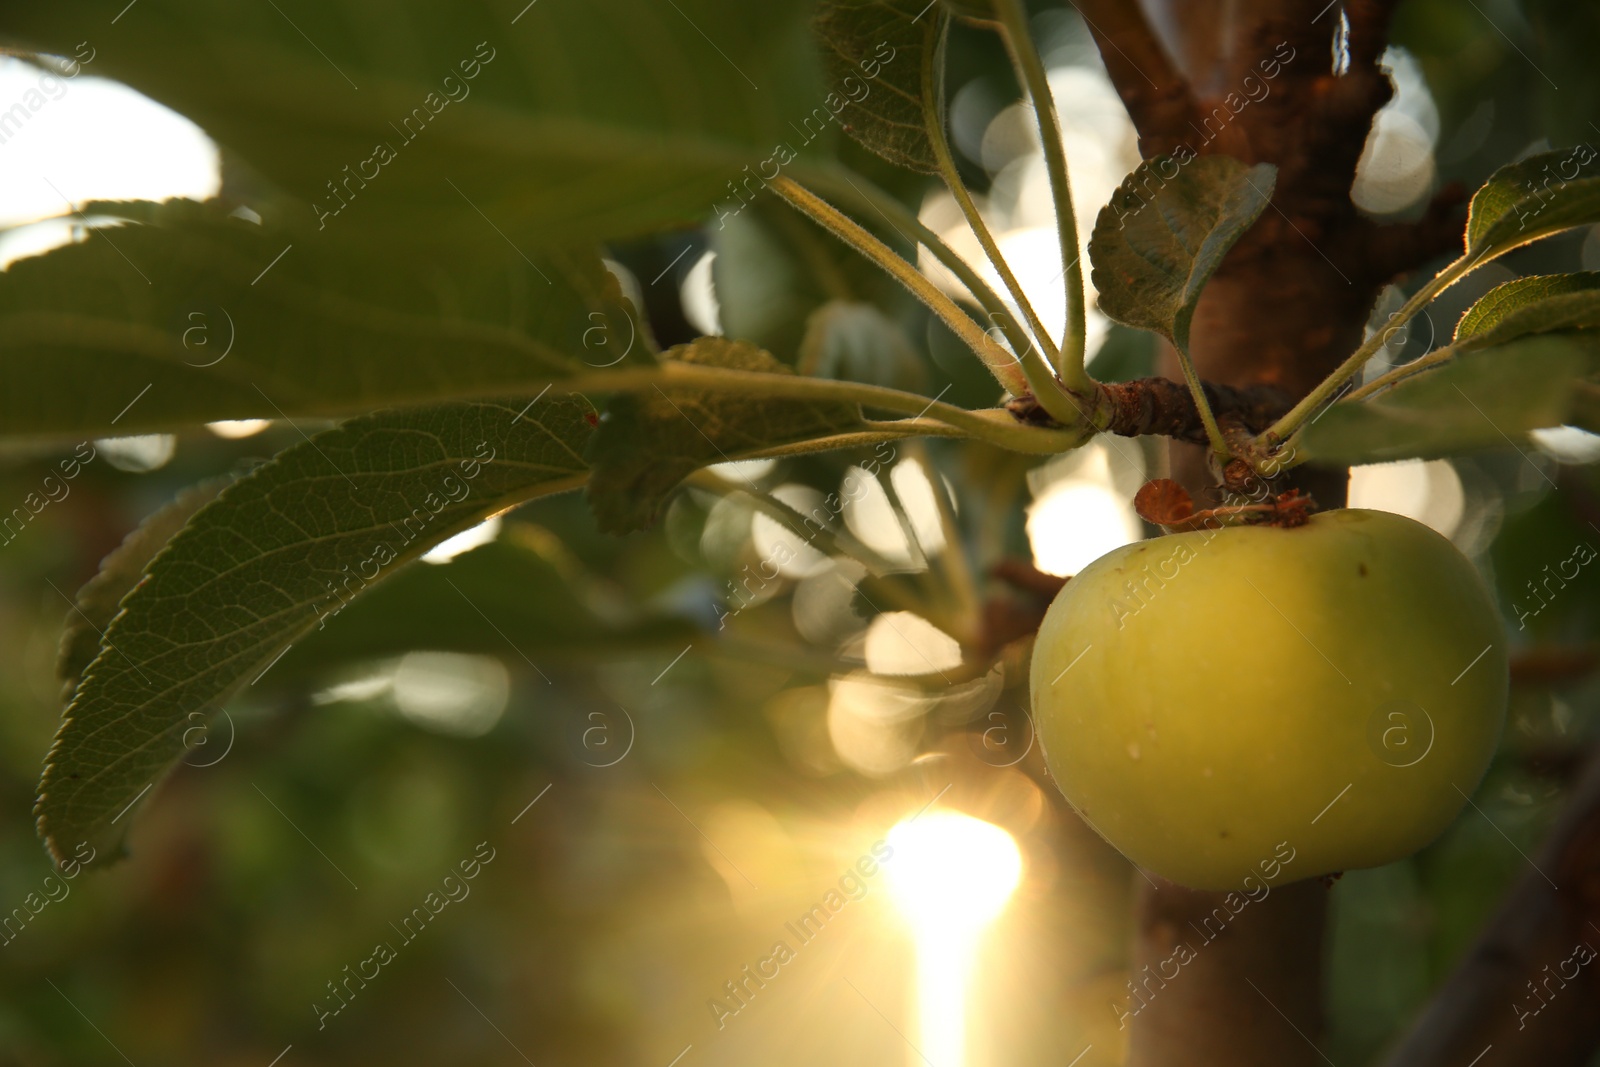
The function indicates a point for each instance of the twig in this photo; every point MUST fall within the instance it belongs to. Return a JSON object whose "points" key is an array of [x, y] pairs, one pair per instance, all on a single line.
{"points": [[1162, 407], [1473, 1018], [933, 120], [1025, 57], [1152, 88], [859, 190], [1000, 362]]}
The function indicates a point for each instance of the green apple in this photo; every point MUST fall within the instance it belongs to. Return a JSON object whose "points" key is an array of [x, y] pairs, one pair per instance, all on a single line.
{"points": [[1216, 700]]}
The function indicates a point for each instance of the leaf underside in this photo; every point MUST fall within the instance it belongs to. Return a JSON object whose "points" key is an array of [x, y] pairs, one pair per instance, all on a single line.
{"points": [[272, 559], [1165, 233], [188, 315], [873, 51], [519, 598], [96, 603], [1489, 398], [556, 123]]}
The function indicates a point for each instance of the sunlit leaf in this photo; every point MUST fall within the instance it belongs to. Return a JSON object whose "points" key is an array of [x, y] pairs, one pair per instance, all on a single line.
{"points": [[1534, 198], [1543, 303], [190, 315], [1489, 398], [874, 51], [274, 559], [1165, 232], [650, 440]]}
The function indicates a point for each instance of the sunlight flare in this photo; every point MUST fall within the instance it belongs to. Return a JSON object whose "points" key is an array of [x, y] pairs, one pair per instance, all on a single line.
{"points": [[951, 877]]}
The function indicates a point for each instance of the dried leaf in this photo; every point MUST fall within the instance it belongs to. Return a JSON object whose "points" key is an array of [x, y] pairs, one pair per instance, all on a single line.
{"points": [[1163, 502]]}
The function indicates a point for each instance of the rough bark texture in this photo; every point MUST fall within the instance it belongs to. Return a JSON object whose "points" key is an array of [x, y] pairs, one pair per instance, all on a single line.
{"points": [[1248, 996], [1257, 80], [1165, 407]]}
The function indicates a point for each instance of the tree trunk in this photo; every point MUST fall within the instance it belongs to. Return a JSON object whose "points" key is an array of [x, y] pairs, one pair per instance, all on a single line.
{"points": [[1249, 995], [1289, 303]]}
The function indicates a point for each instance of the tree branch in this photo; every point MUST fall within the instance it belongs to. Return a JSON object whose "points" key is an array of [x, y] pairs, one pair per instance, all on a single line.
{"points": [[1166, 408], [1161, 407], [1152, 88], [1488, 1013], [1250, 974]]}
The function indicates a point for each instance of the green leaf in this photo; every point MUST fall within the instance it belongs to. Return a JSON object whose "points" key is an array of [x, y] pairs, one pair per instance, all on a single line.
{"points": [[650, 441], [97, 601], [1165, 232], [189, 315], [556, 122], [874, 51], [1488, 398], [522, 598], [1541, 304], [274, 559], [855, 342], [1534, 198]]}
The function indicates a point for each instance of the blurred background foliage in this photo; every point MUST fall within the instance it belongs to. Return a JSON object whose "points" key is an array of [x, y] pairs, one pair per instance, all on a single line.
{"points": [[669, 770]]}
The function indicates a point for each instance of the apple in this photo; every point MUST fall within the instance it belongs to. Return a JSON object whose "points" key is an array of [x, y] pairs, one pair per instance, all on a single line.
{"points": [[1216, 700]]}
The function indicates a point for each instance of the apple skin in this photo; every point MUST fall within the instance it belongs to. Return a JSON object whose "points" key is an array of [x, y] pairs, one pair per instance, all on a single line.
{"points": [[1206, 697]]}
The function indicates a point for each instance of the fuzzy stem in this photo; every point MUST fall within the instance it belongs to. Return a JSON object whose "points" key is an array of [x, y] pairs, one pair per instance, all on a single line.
{"points": [[953, 562], [997, 359], [827, 540], [1291, 447], [859, 190], [1025, 57], [933, 120], [1202, 405], [994, 425], [1325, 391], [863, 193], [1401, 373]]}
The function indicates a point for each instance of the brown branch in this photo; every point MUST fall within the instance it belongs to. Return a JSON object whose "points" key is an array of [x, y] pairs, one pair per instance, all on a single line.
{"points": [[1022, 575], [1487, 1013], [1246, 977], [1152, 88], [1007, 619], [1288, 304], [1165, 408], [1545, 665], [1161, 407]]}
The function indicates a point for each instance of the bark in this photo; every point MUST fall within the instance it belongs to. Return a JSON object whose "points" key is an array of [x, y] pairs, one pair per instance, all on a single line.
{"points": [[1256, 80], [1165, 407], [1248, 995]]}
